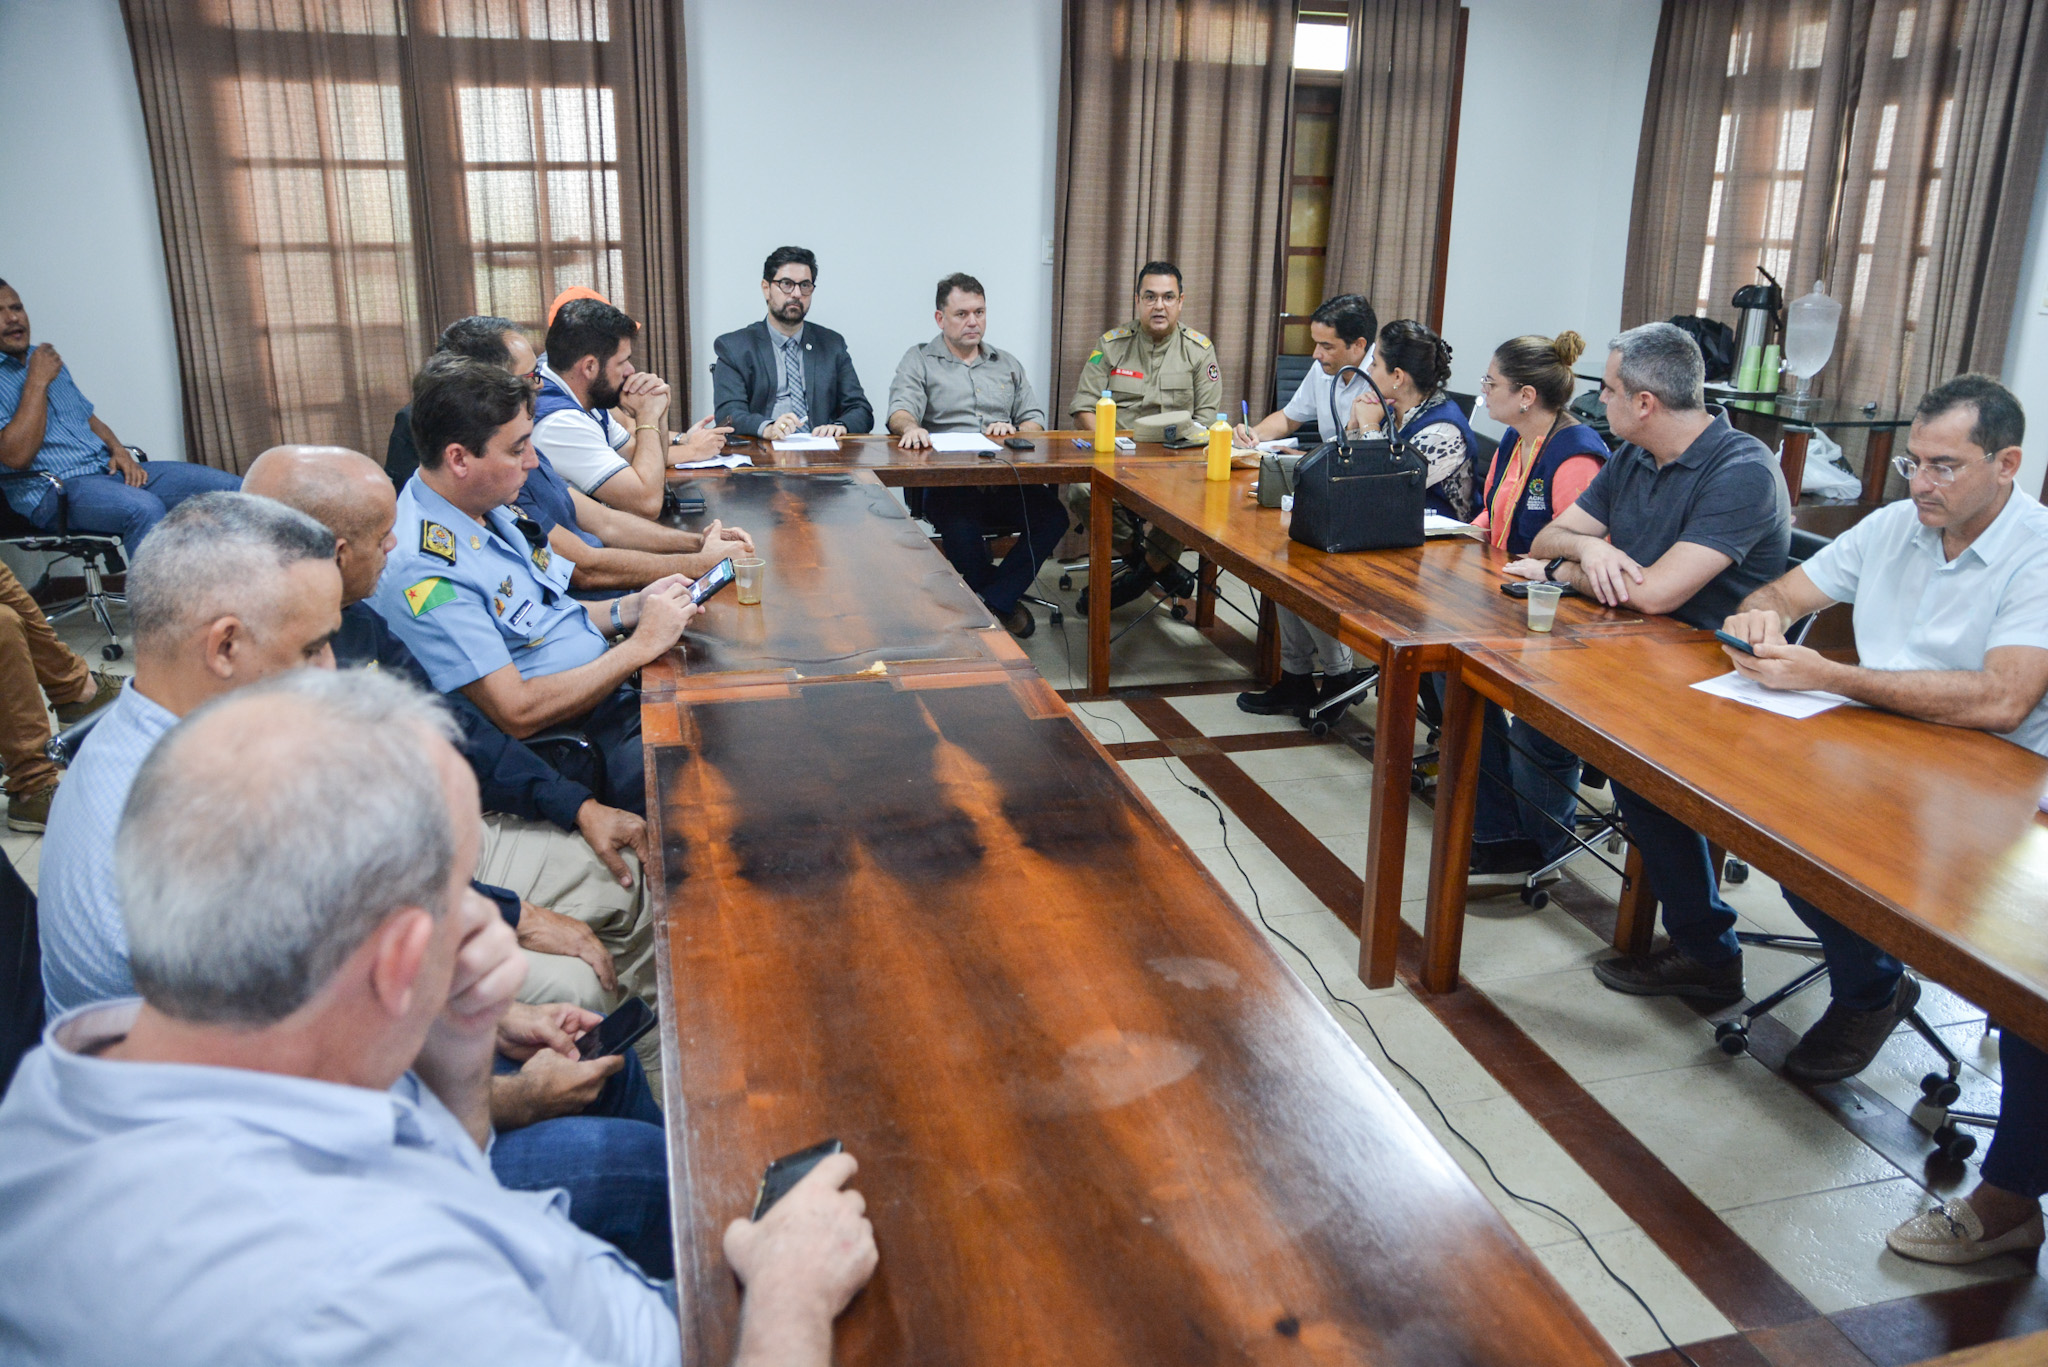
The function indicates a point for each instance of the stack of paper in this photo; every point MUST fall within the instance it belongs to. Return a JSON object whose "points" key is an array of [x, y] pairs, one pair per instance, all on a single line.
{"points": [[727, 462], [804, 441], [1796, 705], [1436, 524], [962, 441]]}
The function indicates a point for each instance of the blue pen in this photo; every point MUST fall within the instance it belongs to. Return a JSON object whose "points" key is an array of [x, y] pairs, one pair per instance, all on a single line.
{"points": [[1244, 406]]}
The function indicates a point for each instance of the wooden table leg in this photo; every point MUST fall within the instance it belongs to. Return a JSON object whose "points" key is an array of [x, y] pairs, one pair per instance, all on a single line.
{"points": [[1205, 592], [1450, 847], [1793, 462], [1269, 642], [1635, 917], [1877, 464], [1101, 567], [1386, 848]]}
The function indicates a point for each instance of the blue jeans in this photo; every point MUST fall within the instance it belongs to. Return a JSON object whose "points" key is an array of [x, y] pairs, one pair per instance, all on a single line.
{"points": [[2018, 1158], [1528, 785], [105, 503], [1675, 859], [612, 1160], [965, 514]]}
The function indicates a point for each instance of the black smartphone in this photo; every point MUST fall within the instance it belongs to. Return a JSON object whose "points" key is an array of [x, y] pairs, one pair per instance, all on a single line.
{"points": [[1519, 588], [1020, 443], [691, 506], [619, 1031], [788, 1170], [714, 579], [1736, 642]]}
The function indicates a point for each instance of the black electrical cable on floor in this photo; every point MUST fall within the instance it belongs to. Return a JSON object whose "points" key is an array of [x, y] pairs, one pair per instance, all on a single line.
{"points": [[1485, 1162]]}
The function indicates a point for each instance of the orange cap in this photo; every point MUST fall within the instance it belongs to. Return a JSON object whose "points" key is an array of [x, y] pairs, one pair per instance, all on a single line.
{"points": [[573, 292]]}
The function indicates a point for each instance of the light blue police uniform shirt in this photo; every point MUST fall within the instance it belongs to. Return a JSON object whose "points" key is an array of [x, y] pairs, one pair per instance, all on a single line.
{"points": [[78, 908], [507, 599], [178, 1214], [1917, 610], [69, 446]]}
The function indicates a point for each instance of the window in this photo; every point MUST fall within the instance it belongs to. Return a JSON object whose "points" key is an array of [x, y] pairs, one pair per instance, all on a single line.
{"points": [[1319, 44]]}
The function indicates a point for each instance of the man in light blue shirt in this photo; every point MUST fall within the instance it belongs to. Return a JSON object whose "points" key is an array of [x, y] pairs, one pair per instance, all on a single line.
{"points": [[278, 1153], [48, 426], [1950, 590]]}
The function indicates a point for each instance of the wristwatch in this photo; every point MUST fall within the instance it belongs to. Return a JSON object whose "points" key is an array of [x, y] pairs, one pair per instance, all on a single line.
{"points": [[618, 627], [1550, 569]]}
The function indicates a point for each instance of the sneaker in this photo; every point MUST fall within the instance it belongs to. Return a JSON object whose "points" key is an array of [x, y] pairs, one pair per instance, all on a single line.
{"points": [[30, 812], [1288, 698], [1019, 621], [1492, 858], [1844, 1040], [109, 688], [1126, 584], [1951, 1233], [1671, 972]]}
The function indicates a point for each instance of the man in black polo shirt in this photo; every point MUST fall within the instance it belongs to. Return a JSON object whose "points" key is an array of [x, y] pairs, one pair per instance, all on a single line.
{"points": [[1689, 518]]}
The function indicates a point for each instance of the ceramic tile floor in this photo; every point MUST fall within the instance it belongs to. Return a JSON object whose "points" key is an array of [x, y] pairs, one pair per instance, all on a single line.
{"points": [[1803, 1191], [1808, 1196]]}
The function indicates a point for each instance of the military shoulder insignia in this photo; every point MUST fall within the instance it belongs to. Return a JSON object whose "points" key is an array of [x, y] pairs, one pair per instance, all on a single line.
{"points": [[1215, 375], [542, 559], [438, 542], [1093, 356], [476, 543], [429, 594], [1116, 334], [1198, 339], [505, 586]]}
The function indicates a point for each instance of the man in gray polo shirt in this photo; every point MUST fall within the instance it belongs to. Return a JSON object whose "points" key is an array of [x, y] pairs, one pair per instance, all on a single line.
{"points": [[958, 383], [1687, 518], [1950, 590]]}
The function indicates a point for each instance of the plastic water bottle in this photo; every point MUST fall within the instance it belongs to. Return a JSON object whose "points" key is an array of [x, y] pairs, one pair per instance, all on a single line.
{"points": [[1105, 423], [1810, 325], [1219, 448]]}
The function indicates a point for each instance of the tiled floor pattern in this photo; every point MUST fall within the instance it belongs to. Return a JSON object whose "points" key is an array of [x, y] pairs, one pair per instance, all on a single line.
{"points": [[1789, 1179]]}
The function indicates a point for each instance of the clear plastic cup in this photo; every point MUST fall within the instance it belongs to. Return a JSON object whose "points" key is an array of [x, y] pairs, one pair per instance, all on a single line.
{"points": [[746, 579], [1543, 605]]}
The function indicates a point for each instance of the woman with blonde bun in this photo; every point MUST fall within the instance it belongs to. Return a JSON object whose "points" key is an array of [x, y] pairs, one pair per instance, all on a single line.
{"points": [[1528, 783], [1548, 457]]}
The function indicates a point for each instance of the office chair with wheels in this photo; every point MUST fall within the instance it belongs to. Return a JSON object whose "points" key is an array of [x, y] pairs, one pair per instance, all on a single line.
{"points": [[98, 553]]}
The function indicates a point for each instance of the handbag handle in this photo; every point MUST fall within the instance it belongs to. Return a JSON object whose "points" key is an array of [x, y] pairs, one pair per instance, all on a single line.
{"points": [[1395, 440]]}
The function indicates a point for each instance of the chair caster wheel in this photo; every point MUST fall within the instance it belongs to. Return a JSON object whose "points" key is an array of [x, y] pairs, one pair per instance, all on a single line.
{"points": [[1179, 612], [1953, 1144], [1733, 1037], [1614, 844], [1318, 727], [1066, 581], [111, 651], [1736, 871], [1537, 898], [1940, 1090]]}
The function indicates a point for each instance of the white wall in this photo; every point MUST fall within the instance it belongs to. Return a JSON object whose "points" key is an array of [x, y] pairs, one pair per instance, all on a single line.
{"points": [[1552, 114], [2026, 353], [79, 236], [900, 142]]}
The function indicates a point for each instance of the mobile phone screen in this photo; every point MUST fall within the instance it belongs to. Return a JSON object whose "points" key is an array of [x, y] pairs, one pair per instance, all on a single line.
{"points": [[716, 578], [617, 1032]]}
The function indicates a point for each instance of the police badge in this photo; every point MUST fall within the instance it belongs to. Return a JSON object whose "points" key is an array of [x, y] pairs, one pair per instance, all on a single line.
{"points": [[437, 541]]}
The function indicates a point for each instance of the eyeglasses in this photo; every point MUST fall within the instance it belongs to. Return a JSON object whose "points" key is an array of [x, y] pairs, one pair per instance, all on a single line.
{"points": [[1148, 297], [794, 286], [1941, 472]]}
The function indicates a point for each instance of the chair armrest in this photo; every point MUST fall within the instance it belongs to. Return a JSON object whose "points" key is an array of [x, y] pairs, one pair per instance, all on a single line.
{"points": [[63, 747]]}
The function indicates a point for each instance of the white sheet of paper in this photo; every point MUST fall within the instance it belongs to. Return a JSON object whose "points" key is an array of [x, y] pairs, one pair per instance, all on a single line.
{"points": [[1284, 446], [1797, 706], [727, 462], [1436, 524], [962, 441], [804, 441]]}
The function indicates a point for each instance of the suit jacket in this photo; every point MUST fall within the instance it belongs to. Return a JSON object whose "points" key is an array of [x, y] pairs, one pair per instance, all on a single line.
{"points": [[745, 377]]}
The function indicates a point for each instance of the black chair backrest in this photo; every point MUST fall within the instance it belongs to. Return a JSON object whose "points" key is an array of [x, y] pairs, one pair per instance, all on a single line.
{"points": [[1464, 401], [21, 973], [1288, 373], [1805, 546]]}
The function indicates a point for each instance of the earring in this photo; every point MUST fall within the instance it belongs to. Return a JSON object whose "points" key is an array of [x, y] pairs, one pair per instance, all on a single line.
{"points": [[1525, 408]]}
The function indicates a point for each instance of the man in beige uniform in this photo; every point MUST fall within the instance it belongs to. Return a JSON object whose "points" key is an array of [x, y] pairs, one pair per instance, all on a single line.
{"points": [[1150, 365]]}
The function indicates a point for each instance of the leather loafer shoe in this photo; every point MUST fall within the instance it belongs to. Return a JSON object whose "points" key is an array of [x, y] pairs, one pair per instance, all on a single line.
{"points": [[1951, 1233], [1670, 972], [1844, 1040], [1019, 621], [109, 689]]}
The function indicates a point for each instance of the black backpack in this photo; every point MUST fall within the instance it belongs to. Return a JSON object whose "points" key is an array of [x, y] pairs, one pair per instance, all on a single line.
{"points": [[1716, 341]]}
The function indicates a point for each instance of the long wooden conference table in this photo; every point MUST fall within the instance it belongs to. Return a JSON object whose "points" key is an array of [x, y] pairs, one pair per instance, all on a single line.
{"points": [[906, 901]]}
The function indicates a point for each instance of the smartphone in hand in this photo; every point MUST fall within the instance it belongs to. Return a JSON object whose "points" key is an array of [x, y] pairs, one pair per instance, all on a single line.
{"points": [[619, 1031], [1734, 642], [714, 579], [788, 1170]]}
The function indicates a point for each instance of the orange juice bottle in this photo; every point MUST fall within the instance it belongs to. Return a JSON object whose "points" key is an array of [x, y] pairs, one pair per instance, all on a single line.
{"points": [[1219, 448], [1105, 423]]}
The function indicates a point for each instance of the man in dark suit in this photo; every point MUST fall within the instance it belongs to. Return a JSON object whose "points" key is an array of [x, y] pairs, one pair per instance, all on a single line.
{"points": [[782, 374]]}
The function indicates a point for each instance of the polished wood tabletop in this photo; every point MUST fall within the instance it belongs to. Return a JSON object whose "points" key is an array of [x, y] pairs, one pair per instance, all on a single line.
{"points": [[851, 582], [1098, 1121], [1061, 456], [1926, 839], [1405, 609]]}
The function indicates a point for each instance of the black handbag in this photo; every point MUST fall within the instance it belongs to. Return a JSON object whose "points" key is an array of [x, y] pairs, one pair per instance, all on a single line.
{"points": [[1359, 493]]}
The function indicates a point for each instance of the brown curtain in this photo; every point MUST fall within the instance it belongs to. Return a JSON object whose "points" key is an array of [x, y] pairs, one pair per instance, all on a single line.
{"points": [[339, 179], [1887, 148], [1394, 123], [1173, 144]]}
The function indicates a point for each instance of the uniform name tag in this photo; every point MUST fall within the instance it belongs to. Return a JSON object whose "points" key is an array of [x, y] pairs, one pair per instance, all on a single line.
{"points": [[1129, 374], [521, 616]]}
